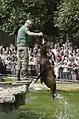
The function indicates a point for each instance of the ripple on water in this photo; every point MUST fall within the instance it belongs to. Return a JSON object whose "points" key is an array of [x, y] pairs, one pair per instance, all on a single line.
{"points": [[63, 109]]}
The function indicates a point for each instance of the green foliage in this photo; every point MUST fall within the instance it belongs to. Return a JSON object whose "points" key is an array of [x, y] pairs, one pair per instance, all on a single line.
{"points": [[67, 15], [14, 12]]}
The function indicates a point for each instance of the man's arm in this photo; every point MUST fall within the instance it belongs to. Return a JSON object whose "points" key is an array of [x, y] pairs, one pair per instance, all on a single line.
{"points": [[34, 34]]}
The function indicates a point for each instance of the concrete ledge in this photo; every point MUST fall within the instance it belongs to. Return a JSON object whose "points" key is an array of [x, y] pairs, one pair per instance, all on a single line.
{"points": [[5, 84], [68, 86], [62, 86], [6, 98], [18, 89], [12, 95], [68, 81], [23, 82]]}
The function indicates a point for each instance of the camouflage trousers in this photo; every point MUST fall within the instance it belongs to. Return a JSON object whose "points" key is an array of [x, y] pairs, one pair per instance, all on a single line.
{"points": [[22, 63]]}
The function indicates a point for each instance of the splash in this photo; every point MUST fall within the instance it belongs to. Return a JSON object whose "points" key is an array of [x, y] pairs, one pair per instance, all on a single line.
{"points": [[63, 109]]}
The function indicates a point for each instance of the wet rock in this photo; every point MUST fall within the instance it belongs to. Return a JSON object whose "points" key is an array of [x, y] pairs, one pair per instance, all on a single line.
{"points": [[12, 95]]}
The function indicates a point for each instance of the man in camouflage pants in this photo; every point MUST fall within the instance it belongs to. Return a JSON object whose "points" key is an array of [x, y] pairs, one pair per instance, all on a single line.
{"points": [[22, 48]]}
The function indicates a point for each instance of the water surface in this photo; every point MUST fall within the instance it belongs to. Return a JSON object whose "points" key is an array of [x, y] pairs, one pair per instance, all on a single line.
{"points": [[39, 105]]}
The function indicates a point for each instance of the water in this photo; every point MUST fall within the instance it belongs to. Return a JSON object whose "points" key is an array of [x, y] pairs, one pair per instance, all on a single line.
{"points": [[66, 109], [11, 115], [39, 105], [63, 110]]}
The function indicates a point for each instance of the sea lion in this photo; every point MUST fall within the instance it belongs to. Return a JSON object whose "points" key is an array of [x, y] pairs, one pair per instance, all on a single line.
{"points": [[47, 73]]}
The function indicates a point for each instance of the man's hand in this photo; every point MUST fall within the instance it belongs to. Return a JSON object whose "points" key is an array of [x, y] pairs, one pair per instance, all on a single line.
{"points": [[40, 34]]}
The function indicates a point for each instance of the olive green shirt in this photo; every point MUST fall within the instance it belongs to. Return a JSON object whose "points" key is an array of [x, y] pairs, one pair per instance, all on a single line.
{"points": [[22, 37]]}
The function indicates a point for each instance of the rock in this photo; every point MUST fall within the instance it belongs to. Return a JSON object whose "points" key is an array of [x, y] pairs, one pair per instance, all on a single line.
{"points": [[6, 97], [12, 95]]}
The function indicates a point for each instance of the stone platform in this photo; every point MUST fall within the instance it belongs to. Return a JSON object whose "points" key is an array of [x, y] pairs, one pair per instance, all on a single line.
{"points": [[12, 95]]}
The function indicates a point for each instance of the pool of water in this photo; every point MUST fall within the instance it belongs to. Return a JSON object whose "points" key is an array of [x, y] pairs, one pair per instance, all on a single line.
{"points": [[39, 105]]}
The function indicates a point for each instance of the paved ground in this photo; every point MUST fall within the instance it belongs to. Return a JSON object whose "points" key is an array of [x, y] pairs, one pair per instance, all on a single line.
{"points": [[61, 85], [65, 86]]}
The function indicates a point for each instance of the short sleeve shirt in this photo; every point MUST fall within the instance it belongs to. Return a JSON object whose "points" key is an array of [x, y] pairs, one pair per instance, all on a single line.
{"points": [[22, 37]]}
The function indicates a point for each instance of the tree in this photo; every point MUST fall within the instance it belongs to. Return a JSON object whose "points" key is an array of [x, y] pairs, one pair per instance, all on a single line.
{"points": [[14, 12], [67, 17]]}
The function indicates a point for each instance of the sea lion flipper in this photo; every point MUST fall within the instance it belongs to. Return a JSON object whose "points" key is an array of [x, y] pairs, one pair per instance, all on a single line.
{"points": [[40, 75]]}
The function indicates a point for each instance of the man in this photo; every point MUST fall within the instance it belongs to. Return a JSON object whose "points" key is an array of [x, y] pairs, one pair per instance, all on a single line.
{"points": [[22, 48]]}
